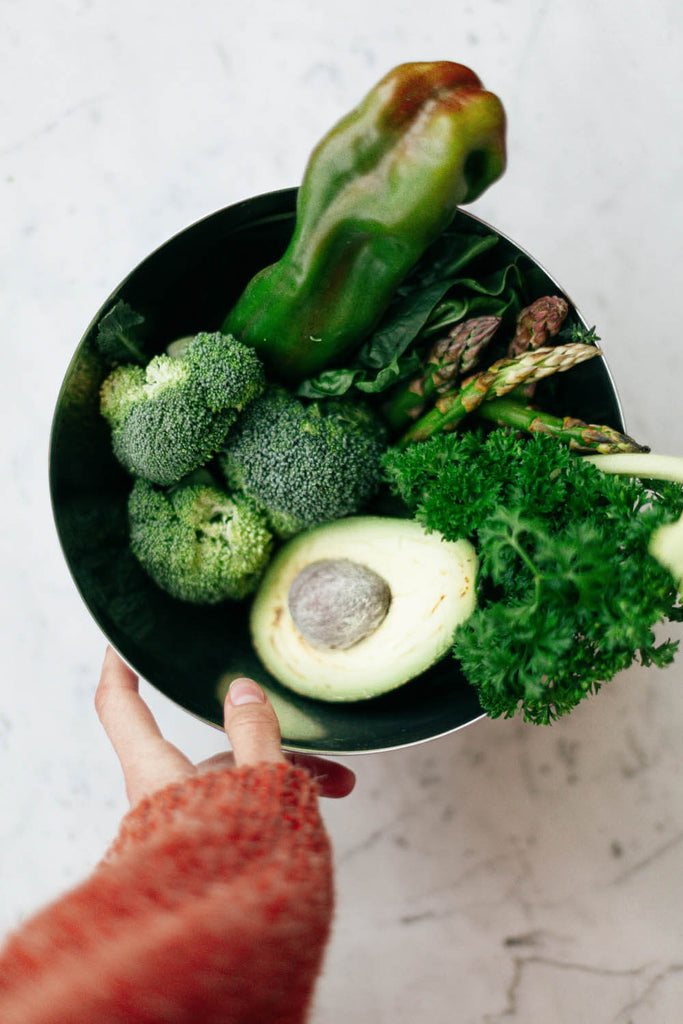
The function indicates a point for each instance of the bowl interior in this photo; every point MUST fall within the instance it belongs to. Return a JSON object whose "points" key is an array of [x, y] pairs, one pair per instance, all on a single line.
{"points": [[190, 653]]}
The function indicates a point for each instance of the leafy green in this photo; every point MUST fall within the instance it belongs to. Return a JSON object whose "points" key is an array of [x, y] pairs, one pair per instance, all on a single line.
{"points": [[117, 335], [568, 592], [409, 315], [334, 383], [496, 294]]}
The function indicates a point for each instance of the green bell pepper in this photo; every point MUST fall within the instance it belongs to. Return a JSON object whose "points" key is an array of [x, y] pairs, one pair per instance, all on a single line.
{"points": [[377, 190]]}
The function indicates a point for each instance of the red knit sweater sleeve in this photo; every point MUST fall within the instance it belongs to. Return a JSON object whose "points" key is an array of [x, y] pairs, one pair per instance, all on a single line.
{"points": [[212, 906]]}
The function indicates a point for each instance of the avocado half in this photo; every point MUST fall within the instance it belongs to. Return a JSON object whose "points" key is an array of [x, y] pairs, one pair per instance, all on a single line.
{"points": [[431, 587]]}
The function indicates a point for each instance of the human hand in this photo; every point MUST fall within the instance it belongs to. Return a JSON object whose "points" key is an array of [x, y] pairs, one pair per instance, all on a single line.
{"points": [[150, 762]]}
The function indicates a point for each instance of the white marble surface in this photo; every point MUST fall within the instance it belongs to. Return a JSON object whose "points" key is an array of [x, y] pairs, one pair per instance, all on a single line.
{"points": [[506, 873]]}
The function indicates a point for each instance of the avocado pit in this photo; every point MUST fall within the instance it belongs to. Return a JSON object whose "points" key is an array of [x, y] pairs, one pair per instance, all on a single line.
{"points": [[336, 602]]}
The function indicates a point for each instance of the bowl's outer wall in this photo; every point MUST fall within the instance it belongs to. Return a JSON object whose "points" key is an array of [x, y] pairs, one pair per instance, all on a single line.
{"points": [[190, 653]]}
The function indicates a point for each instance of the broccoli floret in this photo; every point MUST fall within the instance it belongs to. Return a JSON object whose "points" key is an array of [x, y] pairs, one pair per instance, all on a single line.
{"points": [[120, 390], [172, 416], [197, 542], [229, 373], [304, 463]]}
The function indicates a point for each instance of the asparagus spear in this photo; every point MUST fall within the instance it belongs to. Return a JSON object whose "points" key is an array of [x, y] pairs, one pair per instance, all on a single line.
{"points": [[503, 376], [580, 436], [537, 323], [449, 358], [535, 326]]}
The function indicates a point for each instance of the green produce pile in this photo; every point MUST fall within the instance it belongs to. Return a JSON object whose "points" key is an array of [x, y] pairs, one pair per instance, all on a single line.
{"points": [[393, 363], [568, 590]]}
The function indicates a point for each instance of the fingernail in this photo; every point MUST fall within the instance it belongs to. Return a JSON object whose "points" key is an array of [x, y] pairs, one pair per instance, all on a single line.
{"points": [[245, 691]]}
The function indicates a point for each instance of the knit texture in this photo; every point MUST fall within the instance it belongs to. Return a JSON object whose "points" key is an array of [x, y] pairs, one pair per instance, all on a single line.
{"points": [[212, 906]]}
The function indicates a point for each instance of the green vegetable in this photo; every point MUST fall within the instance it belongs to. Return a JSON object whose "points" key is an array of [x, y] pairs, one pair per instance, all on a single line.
{"points": [[449, 359], [580, 436], [117, 335], [537, 323], [569, 593], [647, 466], [503, 376], [196, 542], [377, 191], [666, 543], [419, 310], [170, 417], [304, 463]]}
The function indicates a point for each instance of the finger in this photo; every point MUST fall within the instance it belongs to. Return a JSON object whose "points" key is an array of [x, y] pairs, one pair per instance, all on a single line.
{"points": [[251, 724], [333, 779], [217, 762], [127, 720], [147, 760]]}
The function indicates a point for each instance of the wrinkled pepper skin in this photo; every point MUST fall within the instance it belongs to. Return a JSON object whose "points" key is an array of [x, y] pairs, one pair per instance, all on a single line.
{"points": [[377, 190]]}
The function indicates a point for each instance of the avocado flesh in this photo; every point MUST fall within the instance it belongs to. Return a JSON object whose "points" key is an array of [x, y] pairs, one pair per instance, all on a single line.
{"points": [[432, 584]]}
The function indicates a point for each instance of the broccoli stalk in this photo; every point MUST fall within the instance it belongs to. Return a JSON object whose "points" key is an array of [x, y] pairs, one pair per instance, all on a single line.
{"points": [[304, 463], [171, 417], [196, 542]]}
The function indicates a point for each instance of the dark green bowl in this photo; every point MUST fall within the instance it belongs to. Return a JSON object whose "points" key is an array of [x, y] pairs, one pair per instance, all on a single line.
{"points": [[191, 653]]}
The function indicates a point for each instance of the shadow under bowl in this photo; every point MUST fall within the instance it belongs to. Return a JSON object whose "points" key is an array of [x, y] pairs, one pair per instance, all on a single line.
{"points": [[191, 653]]}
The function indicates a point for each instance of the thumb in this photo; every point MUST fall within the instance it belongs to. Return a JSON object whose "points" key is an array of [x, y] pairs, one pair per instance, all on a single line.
{"points": [[251, 724]]}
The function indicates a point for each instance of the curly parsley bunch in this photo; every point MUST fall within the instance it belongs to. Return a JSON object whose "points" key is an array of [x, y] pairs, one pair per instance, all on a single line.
{"points": [[568, 593]]}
